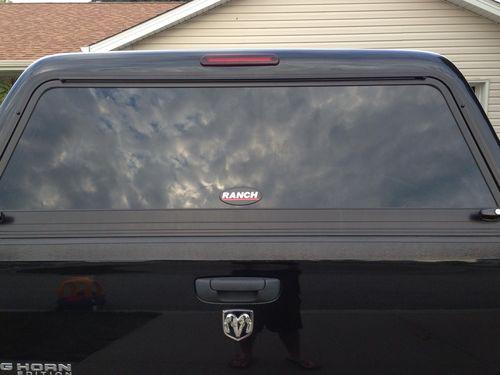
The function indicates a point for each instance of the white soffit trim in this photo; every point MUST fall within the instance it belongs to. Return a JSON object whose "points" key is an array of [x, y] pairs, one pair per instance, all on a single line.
{"points": [[154, 25], [487, 8], [14, 65]]}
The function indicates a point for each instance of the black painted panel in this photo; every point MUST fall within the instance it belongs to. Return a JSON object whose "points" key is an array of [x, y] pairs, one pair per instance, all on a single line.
{"points": [[348, 317]]}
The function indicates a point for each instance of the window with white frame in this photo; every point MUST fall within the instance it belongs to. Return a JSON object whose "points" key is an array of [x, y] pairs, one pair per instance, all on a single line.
{"points": [[481, 89]]}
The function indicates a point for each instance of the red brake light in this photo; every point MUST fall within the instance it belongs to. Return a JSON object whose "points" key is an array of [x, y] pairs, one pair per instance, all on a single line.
{"points": [[239, 60]]}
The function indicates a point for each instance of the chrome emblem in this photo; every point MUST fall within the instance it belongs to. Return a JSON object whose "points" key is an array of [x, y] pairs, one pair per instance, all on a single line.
{"points": [[237, 324]]}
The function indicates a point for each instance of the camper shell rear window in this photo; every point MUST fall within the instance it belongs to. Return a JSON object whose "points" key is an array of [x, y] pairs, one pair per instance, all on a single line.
{"points": [[300, 147]]}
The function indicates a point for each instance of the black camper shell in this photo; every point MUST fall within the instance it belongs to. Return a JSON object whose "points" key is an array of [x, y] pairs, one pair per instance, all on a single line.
{"points": [[397, 289]]}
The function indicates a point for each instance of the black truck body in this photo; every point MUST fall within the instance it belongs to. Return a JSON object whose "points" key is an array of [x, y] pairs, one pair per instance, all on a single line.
{"points": [[370, 256]]}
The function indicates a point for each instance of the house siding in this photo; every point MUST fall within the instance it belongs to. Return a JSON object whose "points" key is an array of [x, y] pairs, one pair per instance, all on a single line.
{"points": [[471, 41]]}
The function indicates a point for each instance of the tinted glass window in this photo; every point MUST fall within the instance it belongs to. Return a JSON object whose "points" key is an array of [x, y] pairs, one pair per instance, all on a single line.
{"points": [[301, 147]]}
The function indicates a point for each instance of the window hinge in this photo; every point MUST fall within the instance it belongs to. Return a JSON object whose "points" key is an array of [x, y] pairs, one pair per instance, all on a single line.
{"points": [[4, 219], [490, 214]]}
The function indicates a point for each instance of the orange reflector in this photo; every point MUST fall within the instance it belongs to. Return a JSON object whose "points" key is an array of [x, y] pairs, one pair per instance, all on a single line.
{"points": [[239, 60]]}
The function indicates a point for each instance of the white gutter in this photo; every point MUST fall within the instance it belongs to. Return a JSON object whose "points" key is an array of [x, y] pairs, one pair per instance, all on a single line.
{"points": [[14, 65], [154, 25]]}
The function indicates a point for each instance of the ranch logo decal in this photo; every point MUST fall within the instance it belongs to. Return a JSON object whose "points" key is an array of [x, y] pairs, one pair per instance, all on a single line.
{"points": [[32, 368], [240, 196]]}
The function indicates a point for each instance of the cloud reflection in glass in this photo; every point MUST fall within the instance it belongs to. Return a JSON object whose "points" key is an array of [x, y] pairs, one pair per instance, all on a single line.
{"points": [[302, 147]]}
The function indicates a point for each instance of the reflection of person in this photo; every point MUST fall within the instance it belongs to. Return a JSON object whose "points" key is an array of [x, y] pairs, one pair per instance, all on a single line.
{"points": [[282, 317]]}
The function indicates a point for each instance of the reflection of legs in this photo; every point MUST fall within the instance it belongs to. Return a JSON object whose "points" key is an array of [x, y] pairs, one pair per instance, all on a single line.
{"points": [[246, 346], [291, 340], [244, 358]]}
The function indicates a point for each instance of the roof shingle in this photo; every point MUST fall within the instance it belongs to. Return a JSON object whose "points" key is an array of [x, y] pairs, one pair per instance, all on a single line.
{"points": [[30, 31]]}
